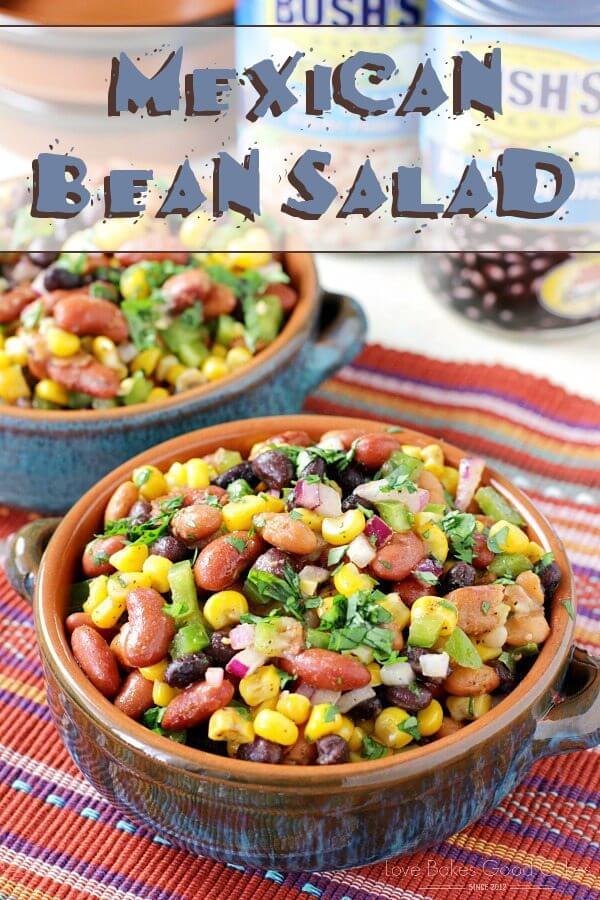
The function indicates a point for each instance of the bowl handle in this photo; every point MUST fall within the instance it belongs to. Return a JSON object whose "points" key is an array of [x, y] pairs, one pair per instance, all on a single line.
{"points": [[23, 555], [573, 720], [340, 337]]}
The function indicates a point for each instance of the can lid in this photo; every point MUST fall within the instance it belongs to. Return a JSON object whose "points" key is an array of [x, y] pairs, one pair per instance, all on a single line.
{"points": [[532, 12]]}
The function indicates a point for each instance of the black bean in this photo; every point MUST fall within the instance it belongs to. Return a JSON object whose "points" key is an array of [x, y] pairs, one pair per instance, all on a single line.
{"points": [[262, 751], [332, 749], [459, 576], [218, 651], [315, 467], [140, 512], [57, 279], [274, 561], [351, 477], [274, 468], [368, 709], [550, 577], [187, 669], [242, 470], [507, 679], [353, 501], [414, 655], [411, 698], [43, 258], [170, 547]]}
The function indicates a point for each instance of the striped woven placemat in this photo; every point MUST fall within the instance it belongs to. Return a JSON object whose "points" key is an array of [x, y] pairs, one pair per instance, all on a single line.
{"points": [[60, 839]]}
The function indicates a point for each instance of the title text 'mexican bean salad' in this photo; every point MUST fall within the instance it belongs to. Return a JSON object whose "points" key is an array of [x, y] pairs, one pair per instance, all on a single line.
{"points": [[313, 604]]}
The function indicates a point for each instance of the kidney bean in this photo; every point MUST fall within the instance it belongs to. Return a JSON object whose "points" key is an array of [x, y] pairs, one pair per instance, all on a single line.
{"points": [[37, 356], [432, 484], [74, 620], [96, 555], [289, 534], [351, 477], [398, 556], [183, 290], [187, 669], [43, 258], [302, 753], [140, 512], [242, 470], [117, 646], [448, 727], [170, 547], [91, 315], [135, 696], [83, 373], [262, 751], [219, 651], [463, 682], [368, 709], [327, 670], [531, 628], [274, 562], [286, 294], [221, 301], [94, 656], [150, 629], [199, 495], [373, 450], [459, 576], [13, 302], [275, 469], [293, 438], [196, 704], [345, 436], [222, 561], [331, 750], [57, 279], [315, 467], [550, 577], [193, 523], [412, 698], [482, 555], [478, 607], [120, 503]]}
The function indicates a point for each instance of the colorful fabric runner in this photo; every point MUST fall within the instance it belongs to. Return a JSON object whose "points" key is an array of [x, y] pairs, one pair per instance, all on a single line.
{"points": [[60, 839]]}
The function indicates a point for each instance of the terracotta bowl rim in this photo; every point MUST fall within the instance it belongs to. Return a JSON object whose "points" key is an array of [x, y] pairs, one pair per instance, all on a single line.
{"points": [[197, 763], [297, 324]]}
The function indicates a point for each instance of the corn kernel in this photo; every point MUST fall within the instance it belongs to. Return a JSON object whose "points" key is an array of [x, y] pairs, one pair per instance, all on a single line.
{"points": [[16, 350], [146, 361], [433, 453], [194, 231], [535, 552], [106, 353], [346, 728], [232, 749], [214, 368], [436, 542], [324, 719], [356, 739], [388, 728], [487, 653], [273, 504], [295, 706], [398, 610], [309, 517], [270, 703], [430, 719], [174, 373], [13, 385], [273, 726], [412, 450], [109, 611], [189, 379], [467, 709], [134, 284], [97, 592], [509, 538], [150, 481], [219, 351], [62, 343], [343, 529], [176, 476], [164, 366], [157, 567], [260, 686], [225, 608], [130, 559], [2, 339], [230, 725], [238, 514], [155, 672], [449, 479], [163, 693], [157, 394], [348, 580], [121, 583], [197, 474], [435, 607], [237, 357], [4, 360], [434, 468], [375, 670], [51, 392]]}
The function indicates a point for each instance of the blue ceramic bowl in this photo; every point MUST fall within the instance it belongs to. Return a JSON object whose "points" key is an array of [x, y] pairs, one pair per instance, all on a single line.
{"points": [[49, 459]]}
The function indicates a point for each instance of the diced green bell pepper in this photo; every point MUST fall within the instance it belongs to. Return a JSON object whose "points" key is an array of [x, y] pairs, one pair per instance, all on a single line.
{"points": [[509, 565], [140, 390], [189, 639], [493, 504], [424, 632], [263, 318], [461, 649], [395, 514]]}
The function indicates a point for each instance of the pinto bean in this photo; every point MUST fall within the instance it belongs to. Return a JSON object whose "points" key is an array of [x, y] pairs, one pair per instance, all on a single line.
{"points": [[223, 561], [150, 629], [199, 495], [96, 555], [448, 727], [398, 556], [293, 438], [373, 450], [120, 503], [478, 607], [193, 523], [196, 704], [532, 585], [531, 628], [289, 534], [327, 670], [432, 484], [135, 696], [221, 301], [302, 753], [91, 315], [83, 373], [13, 302], [411, 588], [463, 682], [519, 600], [95, 658], [345, 436], [183, 290]]}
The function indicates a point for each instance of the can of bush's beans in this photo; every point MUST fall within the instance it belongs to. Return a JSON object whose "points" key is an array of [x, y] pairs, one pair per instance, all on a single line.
{"points": [[550, 100], [389, 141]]}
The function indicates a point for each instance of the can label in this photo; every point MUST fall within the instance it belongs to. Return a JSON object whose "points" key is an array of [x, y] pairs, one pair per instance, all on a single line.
{"points": [[572, 290], [329, 12]]}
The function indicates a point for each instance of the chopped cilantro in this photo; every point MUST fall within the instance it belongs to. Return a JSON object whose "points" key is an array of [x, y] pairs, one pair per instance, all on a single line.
{"points": [[411, 726], [495, 542], [427, 578], [237, 543], [385, 563], [149, 531], [485, 607], [545, 561], [31, 315], [284, 677], [460, 530], [372, 749], [330, 713], [568, 605], [264, 587], [142, 314], [336, 555]]}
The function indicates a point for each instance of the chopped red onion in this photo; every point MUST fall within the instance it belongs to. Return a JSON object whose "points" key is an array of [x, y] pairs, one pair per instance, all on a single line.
{"points": [[322, 696], [241, 636], [353, 698], [399, 674], [245, 662], [214, 676], [361, 551], [314, 573], [305, 690], [379, 529], [330, 502], [377, 491], [470, 470], [434, 665], [307, 494]]}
